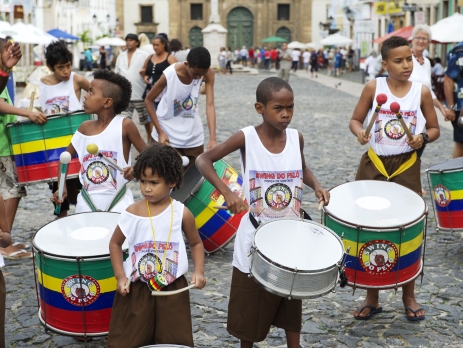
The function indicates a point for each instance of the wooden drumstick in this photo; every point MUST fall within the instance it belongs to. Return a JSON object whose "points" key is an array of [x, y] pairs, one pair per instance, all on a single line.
{"points": [[127, 284], [320, 205], [224, 207], [65, 159], [93, 150], [380, 100], [395, 108], [31, 104], [173, 292]]}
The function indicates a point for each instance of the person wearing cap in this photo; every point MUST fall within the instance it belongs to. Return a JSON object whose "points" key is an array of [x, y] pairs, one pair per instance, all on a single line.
{"points": [[128, 64]]}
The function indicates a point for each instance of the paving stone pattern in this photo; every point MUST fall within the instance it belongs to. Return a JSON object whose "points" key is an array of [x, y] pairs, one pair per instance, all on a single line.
{"points": [[322, 115]]}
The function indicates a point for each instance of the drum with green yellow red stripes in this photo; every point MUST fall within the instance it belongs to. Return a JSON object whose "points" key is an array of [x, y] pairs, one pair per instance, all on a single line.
{"points": [[382, 225], [36, 147], [75, 279]]}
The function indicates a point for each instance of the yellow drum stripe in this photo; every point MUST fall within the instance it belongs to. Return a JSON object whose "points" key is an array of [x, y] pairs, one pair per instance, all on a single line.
{"points": [[405, 248], [42, 145], [54, 284], [456, 195]]}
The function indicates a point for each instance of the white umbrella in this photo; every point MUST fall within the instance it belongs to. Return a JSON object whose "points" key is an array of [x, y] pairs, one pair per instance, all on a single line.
{"points": [[296, 44], [27, 34], [110, 41], [314, 45], [336, 40], [449, 29]]}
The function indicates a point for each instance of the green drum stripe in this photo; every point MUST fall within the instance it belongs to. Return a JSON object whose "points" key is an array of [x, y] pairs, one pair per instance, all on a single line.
{"points": [[350, 233], [101, 269], [195, 206], [54, 128], [453, 181]]}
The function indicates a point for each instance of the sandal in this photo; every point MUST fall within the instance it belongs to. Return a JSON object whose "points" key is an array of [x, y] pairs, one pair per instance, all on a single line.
{"points": [[373, 311], [414, 318], [17, 255], [20, 245]]}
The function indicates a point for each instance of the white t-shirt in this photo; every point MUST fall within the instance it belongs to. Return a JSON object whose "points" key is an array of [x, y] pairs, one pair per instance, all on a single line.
{"points": [[141, 263], [295, 54], [422, 74], [223, 56], [306, 56], [59, 98], [132, 72], [370, 63], [273, 185], [438, 69]]}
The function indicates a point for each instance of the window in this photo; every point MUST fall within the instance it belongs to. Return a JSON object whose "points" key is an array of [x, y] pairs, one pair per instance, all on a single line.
{"points": [[283, 12], [196, 12], [147, 14]]}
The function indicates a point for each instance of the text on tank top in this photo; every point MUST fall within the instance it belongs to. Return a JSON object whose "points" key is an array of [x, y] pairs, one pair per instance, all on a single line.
{"points": [[59, 98], [96, 176], [273, 183], [387, 135]]}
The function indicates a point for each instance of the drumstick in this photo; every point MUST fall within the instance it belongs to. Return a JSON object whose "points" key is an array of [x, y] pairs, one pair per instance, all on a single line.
{"points": [[395, 108], [65, 159], [93, 150], [320, 205], [127, 284], [224, 207], [173, 292], [380, 100], [31, 104]]}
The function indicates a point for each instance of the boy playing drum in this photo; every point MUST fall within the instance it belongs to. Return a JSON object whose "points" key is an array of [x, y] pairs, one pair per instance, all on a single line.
{"points": [[389, 143], [273, 169]]}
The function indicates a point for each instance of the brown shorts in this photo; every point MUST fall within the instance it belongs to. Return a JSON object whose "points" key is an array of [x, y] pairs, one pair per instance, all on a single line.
{"points": [[192, 153], [411, 178], [139, 319], [253, 310]]}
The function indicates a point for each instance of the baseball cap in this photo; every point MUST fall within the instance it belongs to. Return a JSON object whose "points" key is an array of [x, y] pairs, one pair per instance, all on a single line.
{"points": [[132, 36]]}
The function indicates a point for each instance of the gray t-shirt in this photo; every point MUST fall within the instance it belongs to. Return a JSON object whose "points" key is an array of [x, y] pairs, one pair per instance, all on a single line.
{"points": [[284, 62]]}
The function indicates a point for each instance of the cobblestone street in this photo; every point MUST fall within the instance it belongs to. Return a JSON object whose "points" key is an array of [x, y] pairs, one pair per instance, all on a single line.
{"points": [[322, 115]]}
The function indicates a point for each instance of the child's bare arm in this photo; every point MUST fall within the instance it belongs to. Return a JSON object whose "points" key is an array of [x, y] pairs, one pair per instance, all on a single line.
{"points": [[210, 108], [115, 251], [429, 113], [309, 178], [82, 82], [5, 237], [133, 135], [361, 111], [205, 165], [149, 103], [36, 117], [196, 246]]}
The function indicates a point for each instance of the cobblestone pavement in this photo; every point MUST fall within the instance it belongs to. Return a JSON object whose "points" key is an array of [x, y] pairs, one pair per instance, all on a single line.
{"points": [[322, 115]]}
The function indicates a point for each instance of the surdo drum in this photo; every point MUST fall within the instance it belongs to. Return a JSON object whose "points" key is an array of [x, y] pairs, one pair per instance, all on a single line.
{"points": [[296, 258], [75, 280], [382, 225]]}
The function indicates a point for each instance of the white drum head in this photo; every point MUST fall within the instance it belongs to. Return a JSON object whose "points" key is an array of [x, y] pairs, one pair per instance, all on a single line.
{"points": [[305, 245], [451, 165], [83, 235], [376, 204]]}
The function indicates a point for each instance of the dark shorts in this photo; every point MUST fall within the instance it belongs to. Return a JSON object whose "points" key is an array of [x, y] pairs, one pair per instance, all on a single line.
{"points": [[457, 130], [139, 319], [253, 310], [192, 153], [411, 178]]}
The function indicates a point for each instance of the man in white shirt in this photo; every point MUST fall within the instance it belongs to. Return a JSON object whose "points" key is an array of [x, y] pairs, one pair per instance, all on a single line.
{"points": [[128, 64], [244, 56], [295, 55], [306, 59]]}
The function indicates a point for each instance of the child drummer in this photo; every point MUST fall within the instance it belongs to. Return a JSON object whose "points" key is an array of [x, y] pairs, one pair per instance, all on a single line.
{"points": [[390, 145], [157, 258], [103, 185], [269, 152]]}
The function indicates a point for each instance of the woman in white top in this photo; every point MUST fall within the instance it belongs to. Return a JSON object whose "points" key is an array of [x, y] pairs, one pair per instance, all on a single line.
{"points": [[421, 65]]}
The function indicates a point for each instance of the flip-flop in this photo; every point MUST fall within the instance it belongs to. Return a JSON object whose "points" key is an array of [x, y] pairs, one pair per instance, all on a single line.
{"points": [[17, 255], [415, 318], [373, 311], [20, 245]]}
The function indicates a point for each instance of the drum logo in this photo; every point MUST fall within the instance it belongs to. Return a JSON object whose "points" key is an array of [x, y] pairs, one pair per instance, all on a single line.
{"points": [[148, 266], [80, 291], [97, 172], [278, 196], [442, 195], [378, 256], [394, 130]]}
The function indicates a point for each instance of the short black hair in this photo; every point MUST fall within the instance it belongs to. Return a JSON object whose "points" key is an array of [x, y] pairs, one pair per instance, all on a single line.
{"points": [[268, 86], [57, 53], [175, 45], [390, 44], [437, 59], [163, 160], [116, 87], [199, 57]]}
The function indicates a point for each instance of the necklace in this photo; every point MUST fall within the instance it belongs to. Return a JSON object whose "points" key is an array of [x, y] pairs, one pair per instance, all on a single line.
{"points": [[421, 62], [159, 281]]}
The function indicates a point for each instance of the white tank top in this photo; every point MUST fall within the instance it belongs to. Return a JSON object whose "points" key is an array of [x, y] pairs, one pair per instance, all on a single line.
{"points": [[387, 135], [59, 98], [141, 264], [178, 112], [99, 179], [272, 183]]}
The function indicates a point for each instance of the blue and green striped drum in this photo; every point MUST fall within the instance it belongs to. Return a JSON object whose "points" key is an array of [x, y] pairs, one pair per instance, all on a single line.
{"points": [[382, 225], [74, 274]]}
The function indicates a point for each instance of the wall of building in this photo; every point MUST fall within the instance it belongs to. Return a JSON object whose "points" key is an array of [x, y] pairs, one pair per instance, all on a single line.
{"points": [[132, 15]]}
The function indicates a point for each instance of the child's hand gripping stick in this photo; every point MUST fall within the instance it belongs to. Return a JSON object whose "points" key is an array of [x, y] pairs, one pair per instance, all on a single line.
{"points": [[93, 150], [395, 108], [381, 99], [65, 159], [173, 292]]}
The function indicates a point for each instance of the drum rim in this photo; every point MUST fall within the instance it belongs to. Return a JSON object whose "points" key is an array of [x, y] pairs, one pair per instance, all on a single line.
{"points": [[70, 258], [50, 117], [286, 268], [444, 171]]}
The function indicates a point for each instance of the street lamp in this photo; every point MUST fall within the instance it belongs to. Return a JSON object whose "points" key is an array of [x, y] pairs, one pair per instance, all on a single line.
{"points": [[94, 19]]}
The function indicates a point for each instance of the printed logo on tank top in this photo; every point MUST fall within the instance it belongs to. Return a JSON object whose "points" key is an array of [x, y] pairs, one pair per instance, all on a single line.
{"points": [[389, 131], [97, 174], [145, 264], [275, 194], [57, 105], [185, 108]]}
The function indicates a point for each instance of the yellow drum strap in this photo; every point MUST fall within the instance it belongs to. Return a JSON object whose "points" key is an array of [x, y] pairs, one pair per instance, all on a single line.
{"points": [[380, 166]]}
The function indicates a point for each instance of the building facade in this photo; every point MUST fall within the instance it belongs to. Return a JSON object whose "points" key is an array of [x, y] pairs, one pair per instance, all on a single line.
{"points": [[145, 16]]}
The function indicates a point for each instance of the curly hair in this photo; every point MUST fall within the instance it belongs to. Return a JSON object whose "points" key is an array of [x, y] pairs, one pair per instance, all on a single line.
{"points": [[390, 44], [163, 160], [268, 86], [116, 87], [199, 57], [57, 53]]}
